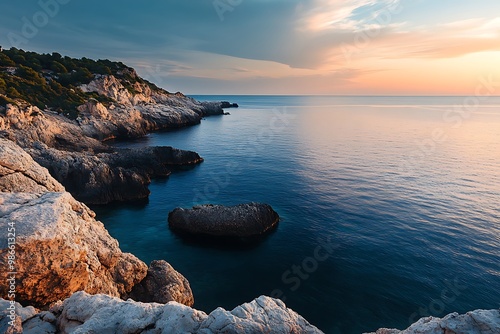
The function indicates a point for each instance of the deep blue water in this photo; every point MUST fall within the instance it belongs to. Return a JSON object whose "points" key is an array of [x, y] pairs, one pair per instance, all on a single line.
{"points": [[404, 190]]}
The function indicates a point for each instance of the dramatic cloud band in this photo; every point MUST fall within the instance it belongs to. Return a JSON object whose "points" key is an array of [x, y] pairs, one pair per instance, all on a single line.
{"points": [[273, 46]]}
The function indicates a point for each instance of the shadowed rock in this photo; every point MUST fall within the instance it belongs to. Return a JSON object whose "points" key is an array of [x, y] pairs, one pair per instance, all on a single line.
{"points": [[226, 104], [106, 177], [163, 284], [244, 220]]}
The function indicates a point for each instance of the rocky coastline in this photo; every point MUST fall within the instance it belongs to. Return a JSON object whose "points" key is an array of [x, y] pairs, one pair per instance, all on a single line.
{"points": [[74, 150], [68, 275], [71, 276]]}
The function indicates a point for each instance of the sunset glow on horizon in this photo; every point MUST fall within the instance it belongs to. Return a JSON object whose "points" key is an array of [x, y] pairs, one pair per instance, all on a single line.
{"points": [[342, 47]]}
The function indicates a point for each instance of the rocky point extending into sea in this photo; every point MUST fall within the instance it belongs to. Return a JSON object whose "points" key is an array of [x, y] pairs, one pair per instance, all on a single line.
{"points": [[68, 274]]}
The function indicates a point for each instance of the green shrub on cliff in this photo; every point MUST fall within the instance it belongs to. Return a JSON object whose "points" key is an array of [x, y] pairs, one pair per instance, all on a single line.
{"points": [[6, 61], [51, 80], [3, 86]]}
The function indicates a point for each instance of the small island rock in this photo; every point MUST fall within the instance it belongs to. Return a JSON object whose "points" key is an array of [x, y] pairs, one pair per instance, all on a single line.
{"points": [[243, 220]]}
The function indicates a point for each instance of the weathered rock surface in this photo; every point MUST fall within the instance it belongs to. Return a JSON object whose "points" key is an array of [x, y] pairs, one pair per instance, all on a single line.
{"points": [[14, 318], [83, 313], [475, 322], [61, 248], [105, 177], [163, 284], [244, 220], [92, 172], [25, 125], [136, 113], [19, 173]]}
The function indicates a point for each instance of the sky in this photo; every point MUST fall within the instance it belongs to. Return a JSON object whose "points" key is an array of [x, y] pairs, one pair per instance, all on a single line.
{"points": [[334, 47]]}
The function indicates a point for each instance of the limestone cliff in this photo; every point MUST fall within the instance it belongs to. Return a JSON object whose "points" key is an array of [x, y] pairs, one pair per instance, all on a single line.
{"points": [[73, 149], [75, 156], [135, 114]]}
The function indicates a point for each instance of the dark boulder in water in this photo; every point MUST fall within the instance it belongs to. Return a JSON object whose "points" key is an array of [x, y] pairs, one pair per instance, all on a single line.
{"points": [[243, 220], [163, 284]]}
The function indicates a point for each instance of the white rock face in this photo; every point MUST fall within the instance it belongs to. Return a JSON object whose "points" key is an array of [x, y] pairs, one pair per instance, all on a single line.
{"points": [[27, 320], [109, 86], [138, 112], [82, 313], [19, 173], [475, 322], [262, 315]]}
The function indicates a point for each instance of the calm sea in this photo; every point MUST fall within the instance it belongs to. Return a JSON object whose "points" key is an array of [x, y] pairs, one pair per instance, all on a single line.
{"points": [[390, 207]]}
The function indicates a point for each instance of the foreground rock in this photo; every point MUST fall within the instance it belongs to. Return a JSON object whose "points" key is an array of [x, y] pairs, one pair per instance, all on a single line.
{"points": [[82, 313], [163, 284], [14, 319], [475, 322], [244, 220], [61, 249]]}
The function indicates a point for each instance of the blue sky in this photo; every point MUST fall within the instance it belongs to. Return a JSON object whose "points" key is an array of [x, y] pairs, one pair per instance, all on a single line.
{"points": [[273, 46]]}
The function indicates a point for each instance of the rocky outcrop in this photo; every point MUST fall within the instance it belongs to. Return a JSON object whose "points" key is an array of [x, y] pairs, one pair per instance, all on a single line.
{"points": [[14, 319], [163, 284], [226, 104], [61, 248], [92, 172], [25, 125], [105, 177], [83, 313], [244, 220], [19, 173], [475, 322], [73, 150], [140, 106]]}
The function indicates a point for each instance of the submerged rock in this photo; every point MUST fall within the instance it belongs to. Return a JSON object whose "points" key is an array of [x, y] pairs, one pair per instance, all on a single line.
{"points": [[244, 220]]}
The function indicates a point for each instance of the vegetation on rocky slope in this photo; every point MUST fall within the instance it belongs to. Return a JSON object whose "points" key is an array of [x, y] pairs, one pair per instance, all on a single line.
{"points": [[51, 80]]}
